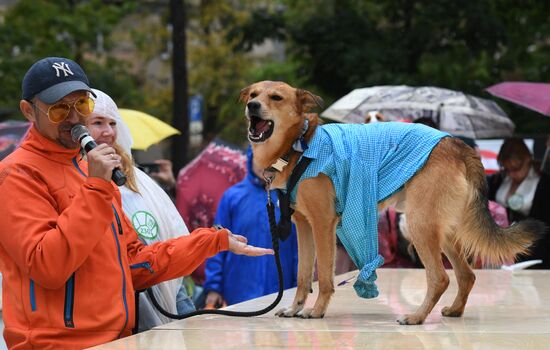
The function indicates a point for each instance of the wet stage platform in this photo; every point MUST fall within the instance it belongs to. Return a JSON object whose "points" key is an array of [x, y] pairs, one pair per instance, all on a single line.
{"points": [[506, 310]]}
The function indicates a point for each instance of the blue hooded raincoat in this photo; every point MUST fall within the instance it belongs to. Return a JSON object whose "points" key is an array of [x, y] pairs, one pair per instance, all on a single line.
{"points": [[242, 209]]}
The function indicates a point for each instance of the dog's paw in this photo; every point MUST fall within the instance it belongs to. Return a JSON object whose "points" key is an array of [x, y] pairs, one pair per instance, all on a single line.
{"points": [[410, 320], [449, 312], [288, 312], [310, 313]]}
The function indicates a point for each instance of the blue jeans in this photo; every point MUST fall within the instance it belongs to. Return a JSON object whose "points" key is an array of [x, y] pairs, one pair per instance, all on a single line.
{"points": [[184, 304]]}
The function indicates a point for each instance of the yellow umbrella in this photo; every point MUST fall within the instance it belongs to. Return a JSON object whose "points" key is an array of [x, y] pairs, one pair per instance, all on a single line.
{"points": [[145, 129]]}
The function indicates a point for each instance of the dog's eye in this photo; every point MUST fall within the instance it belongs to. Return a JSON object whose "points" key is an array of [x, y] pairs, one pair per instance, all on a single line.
{"points": [[276, 97], [253, 95]]}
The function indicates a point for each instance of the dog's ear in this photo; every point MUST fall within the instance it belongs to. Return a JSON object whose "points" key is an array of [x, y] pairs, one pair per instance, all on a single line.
{"points": [[243, 96], [307, 100]]}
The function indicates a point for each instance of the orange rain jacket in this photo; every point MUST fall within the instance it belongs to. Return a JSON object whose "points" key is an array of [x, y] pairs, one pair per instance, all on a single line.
{"points": [[70, 259]]}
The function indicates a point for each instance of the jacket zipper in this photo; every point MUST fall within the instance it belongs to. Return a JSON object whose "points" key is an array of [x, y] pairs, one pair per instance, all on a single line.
{"points": [[75, 163], [123, 277], [69, 302]]}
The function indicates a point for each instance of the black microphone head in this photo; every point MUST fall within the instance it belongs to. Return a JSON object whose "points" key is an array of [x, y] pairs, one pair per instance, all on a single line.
{"points": [[78, 131]]}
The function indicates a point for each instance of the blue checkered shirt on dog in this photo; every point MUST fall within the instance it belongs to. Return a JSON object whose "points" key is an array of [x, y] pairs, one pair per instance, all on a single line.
{"points": [[367, 163]]}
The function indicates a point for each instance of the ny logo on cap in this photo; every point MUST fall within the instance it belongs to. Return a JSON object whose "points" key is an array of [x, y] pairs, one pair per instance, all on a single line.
{"points": [[62, 67]]}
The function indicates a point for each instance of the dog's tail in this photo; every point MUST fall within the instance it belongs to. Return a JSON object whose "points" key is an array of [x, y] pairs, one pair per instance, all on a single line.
{"points": [[481, 237]]}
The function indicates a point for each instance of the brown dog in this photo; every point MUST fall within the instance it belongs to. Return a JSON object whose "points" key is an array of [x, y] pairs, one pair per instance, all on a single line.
{"points": [[444, 202]]}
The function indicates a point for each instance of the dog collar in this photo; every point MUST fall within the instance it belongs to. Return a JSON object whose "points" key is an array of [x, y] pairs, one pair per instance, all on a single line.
{"points": [[300, 145], [280, 164]]}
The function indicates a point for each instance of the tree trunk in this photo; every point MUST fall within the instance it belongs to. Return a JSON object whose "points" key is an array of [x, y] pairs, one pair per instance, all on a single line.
{"points": [[180, 118]]}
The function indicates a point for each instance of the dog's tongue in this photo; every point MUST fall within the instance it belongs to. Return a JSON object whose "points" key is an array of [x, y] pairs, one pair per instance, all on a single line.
{"points": [[262, 126]]}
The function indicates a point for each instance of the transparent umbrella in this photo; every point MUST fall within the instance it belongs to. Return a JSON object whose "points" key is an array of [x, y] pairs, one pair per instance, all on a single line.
{"points": [[453, 111]]}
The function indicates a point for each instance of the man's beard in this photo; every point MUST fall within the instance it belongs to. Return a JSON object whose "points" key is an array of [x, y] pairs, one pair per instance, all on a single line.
{"points": [[65, 138]]}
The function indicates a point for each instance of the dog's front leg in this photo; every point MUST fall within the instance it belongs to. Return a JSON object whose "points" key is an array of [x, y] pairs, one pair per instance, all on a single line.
{"points": [[324, 234], [306, 257], [315, 197]]}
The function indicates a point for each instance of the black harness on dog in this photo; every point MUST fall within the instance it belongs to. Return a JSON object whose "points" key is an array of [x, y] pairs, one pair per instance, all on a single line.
{"points": [[284, 226]]}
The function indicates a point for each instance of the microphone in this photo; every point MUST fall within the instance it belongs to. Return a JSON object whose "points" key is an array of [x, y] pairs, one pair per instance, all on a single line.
{"points": [[80, 134]]}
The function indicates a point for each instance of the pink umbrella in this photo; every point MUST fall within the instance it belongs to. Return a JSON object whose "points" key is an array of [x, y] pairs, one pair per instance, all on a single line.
{"points": [[201, 184], [535, 96]]}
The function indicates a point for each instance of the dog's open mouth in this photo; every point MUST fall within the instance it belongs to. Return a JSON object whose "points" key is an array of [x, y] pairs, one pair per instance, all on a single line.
{"points": [[259, 129]]}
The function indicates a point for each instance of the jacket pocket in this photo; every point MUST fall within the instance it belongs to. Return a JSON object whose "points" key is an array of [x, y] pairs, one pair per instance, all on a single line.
{"points": [[32, 295], [118, 223], [142, 265], [69, 303]]}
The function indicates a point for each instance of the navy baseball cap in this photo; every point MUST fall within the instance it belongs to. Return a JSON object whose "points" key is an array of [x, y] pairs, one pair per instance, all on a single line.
{"points": [[52, 78]]}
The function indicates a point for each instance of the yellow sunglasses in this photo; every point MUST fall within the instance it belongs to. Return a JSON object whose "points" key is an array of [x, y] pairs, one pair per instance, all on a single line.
{"points": [[60, 111]]}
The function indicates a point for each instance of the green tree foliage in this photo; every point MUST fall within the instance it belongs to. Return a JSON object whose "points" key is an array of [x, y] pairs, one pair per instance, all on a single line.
{"points": [[217, 69], [332, 47], [463, 45], [35, 29]]}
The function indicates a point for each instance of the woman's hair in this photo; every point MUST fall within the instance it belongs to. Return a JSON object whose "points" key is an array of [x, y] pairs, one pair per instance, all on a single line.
{"points": [[127, 167], [513, 148], [107, 108]]}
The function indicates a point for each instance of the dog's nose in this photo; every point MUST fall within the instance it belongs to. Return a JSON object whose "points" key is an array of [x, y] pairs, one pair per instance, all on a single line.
{"points": [[253, 106]]}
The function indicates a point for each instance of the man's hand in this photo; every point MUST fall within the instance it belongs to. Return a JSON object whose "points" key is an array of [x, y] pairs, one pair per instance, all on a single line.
{"points": [[101, 162], [237, 245]]}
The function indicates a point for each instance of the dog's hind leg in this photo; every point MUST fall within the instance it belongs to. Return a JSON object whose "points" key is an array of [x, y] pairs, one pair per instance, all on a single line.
{"points": [[306, 258], [428, 249], [464, 275], [436, 199], [427, 225]]}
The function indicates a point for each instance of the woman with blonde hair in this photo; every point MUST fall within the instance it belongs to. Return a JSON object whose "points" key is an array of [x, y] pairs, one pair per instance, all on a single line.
{"points": [[150, 210]]}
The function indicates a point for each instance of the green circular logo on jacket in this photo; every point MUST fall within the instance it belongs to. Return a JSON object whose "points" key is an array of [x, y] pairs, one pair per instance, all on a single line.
{"points": [[145, 224]]}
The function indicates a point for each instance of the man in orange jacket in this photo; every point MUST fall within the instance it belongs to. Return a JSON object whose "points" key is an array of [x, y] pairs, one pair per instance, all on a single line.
{"points": [[70, 259]]}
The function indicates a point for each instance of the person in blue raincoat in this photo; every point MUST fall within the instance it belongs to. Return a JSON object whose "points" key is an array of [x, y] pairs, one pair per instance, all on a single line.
{"points": [[230, 278]]}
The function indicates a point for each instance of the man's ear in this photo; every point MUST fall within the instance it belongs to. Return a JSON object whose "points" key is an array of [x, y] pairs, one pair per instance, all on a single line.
{"points": [[243, 96], [307, 100], [28, 110]]}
